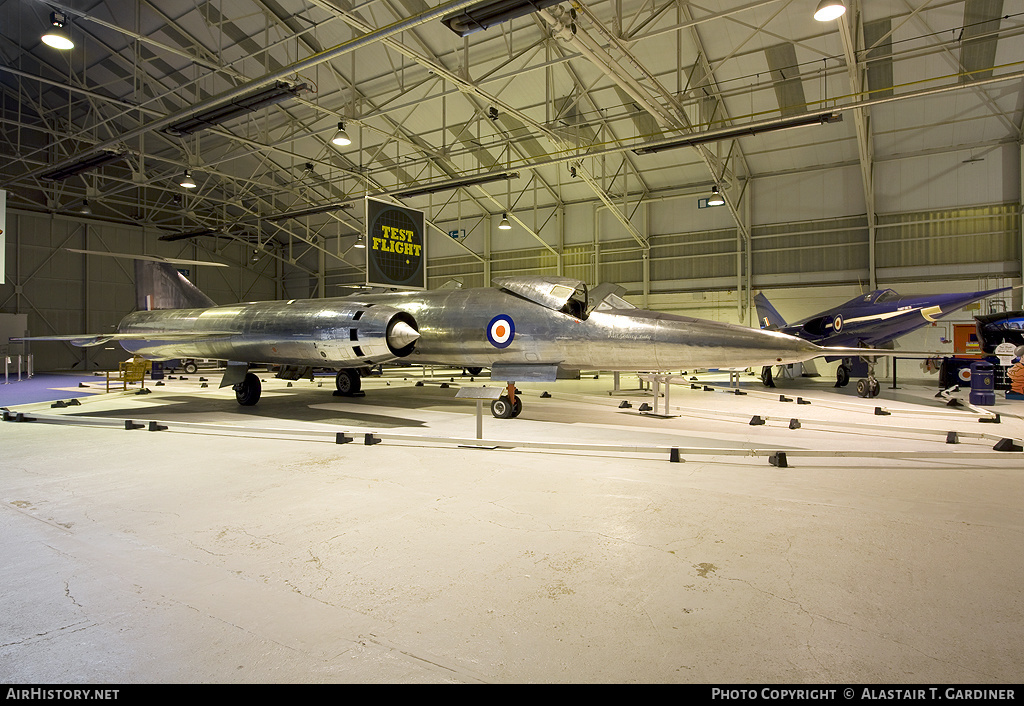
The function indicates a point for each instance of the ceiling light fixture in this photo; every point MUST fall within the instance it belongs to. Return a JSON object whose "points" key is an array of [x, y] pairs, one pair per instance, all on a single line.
{"points": [[453, 184], [187, 182], [85, 164], [275, 93], [716, 198], [360, 242], [341, 138], [57, 37], [311, 211], [170, 238], [829, 10], [751, 129], [504, 225], [491, 12], [84, 208]]}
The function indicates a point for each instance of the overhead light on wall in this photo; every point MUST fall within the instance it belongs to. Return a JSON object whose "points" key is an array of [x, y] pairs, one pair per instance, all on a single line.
{"points": [[716, 198], [504, 225], [187, 182], [58, 37], [235, 107], [491, 12], [341, 138], [829, 10]]}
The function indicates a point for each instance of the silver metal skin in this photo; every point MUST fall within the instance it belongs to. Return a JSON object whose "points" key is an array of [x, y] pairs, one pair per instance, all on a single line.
{"points": [[453, 326], [526, 328], [317, 332]]}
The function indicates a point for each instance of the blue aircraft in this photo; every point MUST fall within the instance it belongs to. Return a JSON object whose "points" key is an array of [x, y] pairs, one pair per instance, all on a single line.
{"points": [[1004, 327], [871, 320]]}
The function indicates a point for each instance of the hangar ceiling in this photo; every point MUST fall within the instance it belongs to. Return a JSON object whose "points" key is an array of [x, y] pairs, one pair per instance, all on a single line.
{"points": [[564, 98]]}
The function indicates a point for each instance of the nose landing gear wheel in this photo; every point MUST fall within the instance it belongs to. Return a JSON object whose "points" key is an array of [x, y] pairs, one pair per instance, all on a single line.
{"points": [[501, 408]]}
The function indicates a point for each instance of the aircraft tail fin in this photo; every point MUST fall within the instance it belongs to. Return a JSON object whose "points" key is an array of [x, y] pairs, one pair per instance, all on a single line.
{"points": [[158, 285], [767, 317]]}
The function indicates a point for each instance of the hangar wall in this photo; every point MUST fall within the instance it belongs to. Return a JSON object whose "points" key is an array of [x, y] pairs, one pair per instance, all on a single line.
{"points": [[65, 292], [934, 228]]}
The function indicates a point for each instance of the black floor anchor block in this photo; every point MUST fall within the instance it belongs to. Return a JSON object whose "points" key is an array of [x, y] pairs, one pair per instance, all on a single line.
{"points": [[1007, 445], [756, 421], [778, 459]]}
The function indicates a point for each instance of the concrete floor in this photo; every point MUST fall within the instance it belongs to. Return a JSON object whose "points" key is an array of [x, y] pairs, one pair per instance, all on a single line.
{"points": [[248, 556]]}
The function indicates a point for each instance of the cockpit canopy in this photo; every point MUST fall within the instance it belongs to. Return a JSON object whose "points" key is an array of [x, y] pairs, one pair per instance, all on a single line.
{"points": [[880, 296], [558, 293], [565, 294]]}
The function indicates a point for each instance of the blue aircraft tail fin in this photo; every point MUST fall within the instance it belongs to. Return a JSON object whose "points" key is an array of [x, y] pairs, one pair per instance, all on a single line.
{"points": [[767, 317]]}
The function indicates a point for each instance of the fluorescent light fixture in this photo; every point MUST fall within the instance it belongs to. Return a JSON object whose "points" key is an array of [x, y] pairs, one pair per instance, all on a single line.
{"points": [[312, 210], [453, 184], [751, 129], [829, 10], [341, 138], [234, 108], [84, 164], [504, 225], [187, 182], [57, 37], [491, 12], [191, 234], [716, 198]]}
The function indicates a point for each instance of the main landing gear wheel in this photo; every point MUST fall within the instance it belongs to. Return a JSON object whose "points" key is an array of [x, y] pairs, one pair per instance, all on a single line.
{"points": [[843, 376], [868, 387], [474, 371], [348, 382], [247, 392]]}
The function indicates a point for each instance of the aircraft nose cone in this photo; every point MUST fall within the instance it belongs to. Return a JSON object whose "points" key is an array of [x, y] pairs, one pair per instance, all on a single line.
{"points": [[401, 335]]}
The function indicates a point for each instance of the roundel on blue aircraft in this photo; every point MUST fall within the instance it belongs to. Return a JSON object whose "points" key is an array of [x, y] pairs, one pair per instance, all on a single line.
{"points": [[837, 323], [501, 331]]}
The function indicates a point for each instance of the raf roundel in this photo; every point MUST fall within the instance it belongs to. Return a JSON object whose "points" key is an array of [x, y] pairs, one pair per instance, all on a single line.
{"points": [[837, 323], [501, 331]]}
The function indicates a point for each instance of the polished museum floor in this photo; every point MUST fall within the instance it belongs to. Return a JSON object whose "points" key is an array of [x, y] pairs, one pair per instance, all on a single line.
{"points": [[246, 545]]}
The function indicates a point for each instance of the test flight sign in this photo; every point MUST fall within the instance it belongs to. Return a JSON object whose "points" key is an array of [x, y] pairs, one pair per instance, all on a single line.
{"points": [[395, 246]]}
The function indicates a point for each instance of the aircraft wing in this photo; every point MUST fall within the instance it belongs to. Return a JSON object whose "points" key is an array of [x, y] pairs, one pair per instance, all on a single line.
{"points": [[850, 352], [149, 258], [87, 340]]}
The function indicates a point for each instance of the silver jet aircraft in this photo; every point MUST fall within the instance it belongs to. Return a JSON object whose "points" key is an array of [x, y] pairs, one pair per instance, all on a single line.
{"points": [[525, 329]]}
